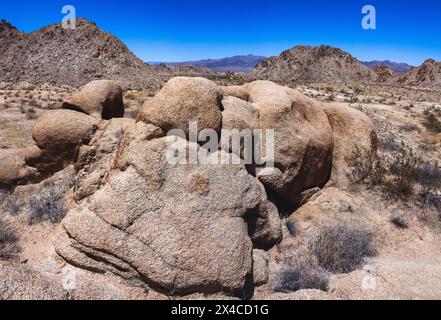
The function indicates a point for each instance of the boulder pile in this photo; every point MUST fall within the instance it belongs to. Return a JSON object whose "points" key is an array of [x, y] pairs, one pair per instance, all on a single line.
{"points": [[179, 227]]}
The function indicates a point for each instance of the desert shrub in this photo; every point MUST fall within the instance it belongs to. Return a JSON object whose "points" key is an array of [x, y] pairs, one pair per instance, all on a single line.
{"points": [[399, 222], [410, 127], [34, 103], [8, 241], [403, 169], [330, 98], [360, 169], [47, 205], [31, 114], [342, 248], [377, 176], [12, 205], [432, 123], [390, 144], [429, 176], [302, 273], [358, 90], [353, 99]]}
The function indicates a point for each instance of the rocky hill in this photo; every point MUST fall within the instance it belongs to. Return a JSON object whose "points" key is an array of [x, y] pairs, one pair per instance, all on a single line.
{"points": [[69, 57], [385, 74], [234, 64], [167, 72], [397, 67], [313, 64], [428, 75]]}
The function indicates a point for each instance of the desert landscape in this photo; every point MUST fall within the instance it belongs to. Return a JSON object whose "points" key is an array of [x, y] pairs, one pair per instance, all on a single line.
{"points": [[91, 209]]}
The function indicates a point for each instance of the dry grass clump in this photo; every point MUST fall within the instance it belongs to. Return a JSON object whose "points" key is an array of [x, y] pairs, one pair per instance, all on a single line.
{"points": [[429, 177], [47, 205], [8, 241], [432, 123], [302, 273], [342, 248]]}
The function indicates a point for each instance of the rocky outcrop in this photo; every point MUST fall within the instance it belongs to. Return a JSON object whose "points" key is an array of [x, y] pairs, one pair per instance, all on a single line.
{"points": [[102, 99], [72, 57], [58, 135], [183, 100], [355, 140], [312, 64], [303, 143], [143, 211], [236, 92], [385, 74], [428, 75], [166, 224], [13, 168]]}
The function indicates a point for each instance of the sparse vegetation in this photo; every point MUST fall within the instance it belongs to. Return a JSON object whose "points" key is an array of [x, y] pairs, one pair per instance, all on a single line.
{"points": [[12, 205], [403, 173], [429, 176], [432, 123], [330, 97], [8, 241], [31, 114], [360, 168], [342, 248], [410, 127], [399, 222], [302, 273], [47, 205]]}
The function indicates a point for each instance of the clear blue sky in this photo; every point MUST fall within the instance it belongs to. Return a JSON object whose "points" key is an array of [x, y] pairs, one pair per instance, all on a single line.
{"points": [[176, 30]]}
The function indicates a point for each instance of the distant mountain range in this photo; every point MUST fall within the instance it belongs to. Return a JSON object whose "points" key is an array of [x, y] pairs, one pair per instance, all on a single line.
{"points": [[235, 64], [397, 67], [247, 63], [53, 55]]}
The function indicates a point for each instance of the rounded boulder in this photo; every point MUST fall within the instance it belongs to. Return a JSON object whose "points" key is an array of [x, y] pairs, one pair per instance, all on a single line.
{"points": [[101, 99], [183, 100]]}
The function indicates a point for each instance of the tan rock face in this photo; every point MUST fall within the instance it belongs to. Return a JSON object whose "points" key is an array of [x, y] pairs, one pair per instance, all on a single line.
{"points": [[355, 141], [303, 138], [101, 99], [60, 130], [240, 118], [58, 135], [183, 100], [13, 168], [236, 92], [260, 267], [167, 224]]}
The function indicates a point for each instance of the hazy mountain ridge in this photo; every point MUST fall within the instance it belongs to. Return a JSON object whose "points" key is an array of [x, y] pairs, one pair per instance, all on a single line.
{"points": [[239, 63], [395, 66]]}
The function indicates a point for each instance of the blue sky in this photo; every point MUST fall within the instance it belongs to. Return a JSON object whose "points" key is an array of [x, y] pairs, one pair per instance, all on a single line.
{"points": [[177, 30]]}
